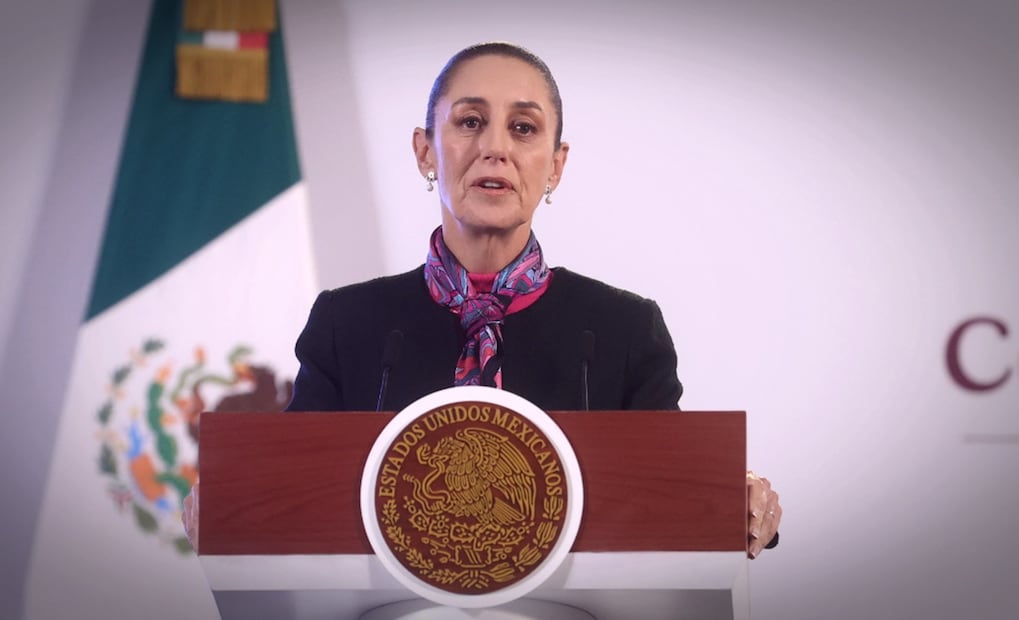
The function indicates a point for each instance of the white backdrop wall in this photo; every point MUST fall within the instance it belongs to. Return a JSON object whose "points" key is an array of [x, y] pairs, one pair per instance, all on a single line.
{"points": [[816, 194], [68, 72], [37, 44]]}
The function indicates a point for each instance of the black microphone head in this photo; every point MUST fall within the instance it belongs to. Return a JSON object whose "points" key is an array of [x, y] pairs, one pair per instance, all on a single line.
{"points": [[586, 355], [394, 346], [390, 356], [587, 345]]}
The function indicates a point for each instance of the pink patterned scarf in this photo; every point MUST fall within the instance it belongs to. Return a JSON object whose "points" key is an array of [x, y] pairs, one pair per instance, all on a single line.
{"points": [[481, 312]]}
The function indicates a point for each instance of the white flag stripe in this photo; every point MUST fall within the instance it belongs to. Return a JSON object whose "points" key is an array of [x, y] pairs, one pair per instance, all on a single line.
{"points": [[252, 285], [222, 39]]}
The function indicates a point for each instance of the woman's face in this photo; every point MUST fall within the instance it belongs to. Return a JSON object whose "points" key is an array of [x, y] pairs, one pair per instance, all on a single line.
{"points": [[493, 149]]}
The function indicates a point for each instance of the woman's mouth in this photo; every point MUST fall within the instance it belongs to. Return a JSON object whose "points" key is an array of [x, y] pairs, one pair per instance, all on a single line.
{"points": [[493, 185]]}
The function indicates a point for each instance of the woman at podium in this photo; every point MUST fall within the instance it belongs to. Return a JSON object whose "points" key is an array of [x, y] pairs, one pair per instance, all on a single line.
{"points": [[485, 308]]}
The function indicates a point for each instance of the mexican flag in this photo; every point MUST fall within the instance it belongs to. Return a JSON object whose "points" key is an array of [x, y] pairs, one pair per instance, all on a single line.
{"points": [[204, 281]]}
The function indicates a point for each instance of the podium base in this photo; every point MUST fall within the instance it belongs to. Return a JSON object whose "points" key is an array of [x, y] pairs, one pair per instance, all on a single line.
{"points": [[521, 609]]}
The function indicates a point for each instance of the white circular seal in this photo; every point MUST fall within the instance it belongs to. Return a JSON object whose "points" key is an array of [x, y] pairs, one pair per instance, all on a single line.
{"points": [[471, 497]]}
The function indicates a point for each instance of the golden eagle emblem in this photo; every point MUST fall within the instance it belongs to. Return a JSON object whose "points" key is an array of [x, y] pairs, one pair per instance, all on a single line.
{"points": [[484, 475]]}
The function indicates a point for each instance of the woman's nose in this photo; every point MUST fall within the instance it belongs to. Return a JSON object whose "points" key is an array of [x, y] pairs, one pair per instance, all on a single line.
{"points": [[495, 144]]}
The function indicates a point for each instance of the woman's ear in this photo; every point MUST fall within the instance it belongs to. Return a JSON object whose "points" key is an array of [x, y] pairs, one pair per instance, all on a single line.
{"points": [[423, 152], [558, 164]]}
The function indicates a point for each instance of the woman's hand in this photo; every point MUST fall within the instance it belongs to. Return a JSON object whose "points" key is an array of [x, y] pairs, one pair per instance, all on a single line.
{"points": [[190, 516], [765, 513]]}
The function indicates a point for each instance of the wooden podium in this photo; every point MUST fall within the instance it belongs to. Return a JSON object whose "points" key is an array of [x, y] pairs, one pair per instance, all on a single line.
{"points": [[663, 533]]}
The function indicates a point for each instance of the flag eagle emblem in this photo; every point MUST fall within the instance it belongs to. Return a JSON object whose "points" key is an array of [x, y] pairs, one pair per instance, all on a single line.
{"points": [[148, 426]]}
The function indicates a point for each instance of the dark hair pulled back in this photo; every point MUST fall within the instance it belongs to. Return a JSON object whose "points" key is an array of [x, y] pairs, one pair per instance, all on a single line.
{"points": [[494, 48]]}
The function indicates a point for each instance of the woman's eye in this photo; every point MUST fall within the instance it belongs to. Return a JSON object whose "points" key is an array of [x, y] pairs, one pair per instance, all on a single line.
{"points": [[471, 122], [525, 129]]}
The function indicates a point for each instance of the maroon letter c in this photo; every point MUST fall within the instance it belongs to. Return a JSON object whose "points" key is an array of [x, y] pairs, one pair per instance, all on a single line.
{"points": [[952, 356]]}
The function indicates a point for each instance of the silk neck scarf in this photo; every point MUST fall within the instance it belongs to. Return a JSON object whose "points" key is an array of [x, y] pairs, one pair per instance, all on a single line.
{"points": [[481, 312]]}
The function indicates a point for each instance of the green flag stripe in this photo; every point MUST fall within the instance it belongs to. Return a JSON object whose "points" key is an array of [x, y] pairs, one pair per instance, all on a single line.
{"points": [[189, 170], [190, 36]]}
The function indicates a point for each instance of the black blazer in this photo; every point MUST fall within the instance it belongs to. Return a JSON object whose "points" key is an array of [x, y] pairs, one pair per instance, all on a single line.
{"points": [[342, 346]]}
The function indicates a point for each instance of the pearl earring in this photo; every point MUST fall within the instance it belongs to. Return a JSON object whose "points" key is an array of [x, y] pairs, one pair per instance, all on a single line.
{"points": [[548, 194], [431, 180]]}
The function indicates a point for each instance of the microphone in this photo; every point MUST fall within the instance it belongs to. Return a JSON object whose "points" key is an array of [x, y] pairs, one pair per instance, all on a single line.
{"points": [[586, 355], [390, 356]]}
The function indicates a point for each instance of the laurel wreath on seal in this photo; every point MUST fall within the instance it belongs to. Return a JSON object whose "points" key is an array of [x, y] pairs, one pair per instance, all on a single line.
{"points": [[447, 540]]}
